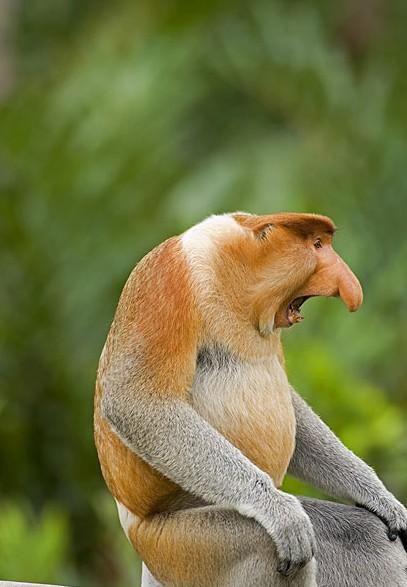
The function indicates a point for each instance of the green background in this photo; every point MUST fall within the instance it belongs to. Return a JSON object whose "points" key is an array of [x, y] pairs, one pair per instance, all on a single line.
{"points": [[124, 123]]}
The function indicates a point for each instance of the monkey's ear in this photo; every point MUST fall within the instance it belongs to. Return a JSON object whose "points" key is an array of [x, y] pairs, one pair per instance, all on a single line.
{"points": [[259, 225], [263, 231]]}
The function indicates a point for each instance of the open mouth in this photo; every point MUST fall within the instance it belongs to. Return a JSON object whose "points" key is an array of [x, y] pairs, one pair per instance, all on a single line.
{"points": [[294, 309]]}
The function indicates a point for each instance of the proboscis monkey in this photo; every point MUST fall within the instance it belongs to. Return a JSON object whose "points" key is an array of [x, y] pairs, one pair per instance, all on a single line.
{"points": [[196, 423]]}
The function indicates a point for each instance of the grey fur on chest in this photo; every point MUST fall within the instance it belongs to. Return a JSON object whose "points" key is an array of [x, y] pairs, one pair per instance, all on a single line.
{"points": [[227, 388], [213, 358], [218, 367]]}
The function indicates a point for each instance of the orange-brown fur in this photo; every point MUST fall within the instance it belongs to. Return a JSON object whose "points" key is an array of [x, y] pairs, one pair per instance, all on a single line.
{"points": [[160, 319]]}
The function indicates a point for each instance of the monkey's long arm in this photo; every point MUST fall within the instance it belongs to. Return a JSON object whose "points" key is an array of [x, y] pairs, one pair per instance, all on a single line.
{"points": [[321, 459], [171, 436]]}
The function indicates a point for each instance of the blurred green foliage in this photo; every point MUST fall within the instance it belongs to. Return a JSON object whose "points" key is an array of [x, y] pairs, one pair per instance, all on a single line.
{"points": [[40, 549], [127, 123]]}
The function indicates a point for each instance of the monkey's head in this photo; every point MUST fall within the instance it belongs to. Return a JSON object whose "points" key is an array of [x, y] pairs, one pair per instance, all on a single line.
{"points": [[272, 264], [294, 260]]}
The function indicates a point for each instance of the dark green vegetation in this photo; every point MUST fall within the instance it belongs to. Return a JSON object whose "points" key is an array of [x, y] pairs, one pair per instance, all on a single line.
{"points": [[126, 123]]}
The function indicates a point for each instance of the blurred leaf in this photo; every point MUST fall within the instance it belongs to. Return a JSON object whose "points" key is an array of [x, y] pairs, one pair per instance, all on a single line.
{"points": [[33, 549], [132, 121]]}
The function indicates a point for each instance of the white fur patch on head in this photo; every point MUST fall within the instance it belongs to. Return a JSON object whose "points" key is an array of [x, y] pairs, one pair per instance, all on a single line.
{"points": [[200, 244], [202, 238]]}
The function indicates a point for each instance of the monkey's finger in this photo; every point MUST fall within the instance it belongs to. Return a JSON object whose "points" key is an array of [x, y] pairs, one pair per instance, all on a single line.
{"points": [[296, 561], [372, 511], [288, 568], [393, 535], [392, 532], [283, 567]]}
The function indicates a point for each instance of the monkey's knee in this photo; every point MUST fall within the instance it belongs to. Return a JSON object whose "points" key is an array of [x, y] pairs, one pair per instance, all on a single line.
{"points": [[200, 547]]}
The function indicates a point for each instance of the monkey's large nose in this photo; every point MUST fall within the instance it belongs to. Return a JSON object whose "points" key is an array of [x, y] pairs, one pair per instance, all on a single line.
{"points": [[334, 278], [349, 287]]}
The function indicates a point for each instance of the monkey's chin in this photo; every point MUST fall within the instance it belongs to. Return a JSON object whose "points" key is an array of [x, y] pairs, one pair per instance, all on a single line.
{"points": [[290, 314]]}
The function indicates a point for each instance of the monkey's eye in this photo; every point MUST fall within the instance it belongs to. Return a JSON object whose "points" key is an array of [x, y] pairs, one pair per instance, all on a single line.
{"points": [[318, 244]]}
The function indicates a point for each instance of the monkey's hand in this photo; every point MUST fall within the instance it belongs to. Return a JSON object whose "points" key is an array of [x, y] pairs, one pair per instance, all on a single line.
{"points": [[391, 512], [291, 530]]}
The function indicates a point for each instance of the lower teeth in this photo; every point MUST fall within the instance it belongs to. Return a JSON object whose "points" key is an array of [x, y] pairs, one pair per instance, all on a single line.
{"points": [[294, 314]]}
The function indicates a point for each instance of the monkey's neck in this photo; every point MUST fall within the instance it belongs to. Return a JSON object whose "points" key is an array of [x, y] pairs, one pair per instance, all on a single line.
{"points": [[239, 332]]}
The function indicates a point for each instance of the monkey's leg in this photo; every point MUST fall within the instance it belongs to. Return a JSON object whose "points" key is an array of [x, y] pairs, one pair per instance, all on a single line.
{"points": [[210, 547], [353, 548]]}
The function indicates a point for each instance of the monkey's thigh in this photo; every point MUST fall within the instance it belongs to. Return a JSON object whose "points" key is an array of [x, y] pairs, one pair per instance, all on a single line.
{"points": [[353, 549], [210, 547]]}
